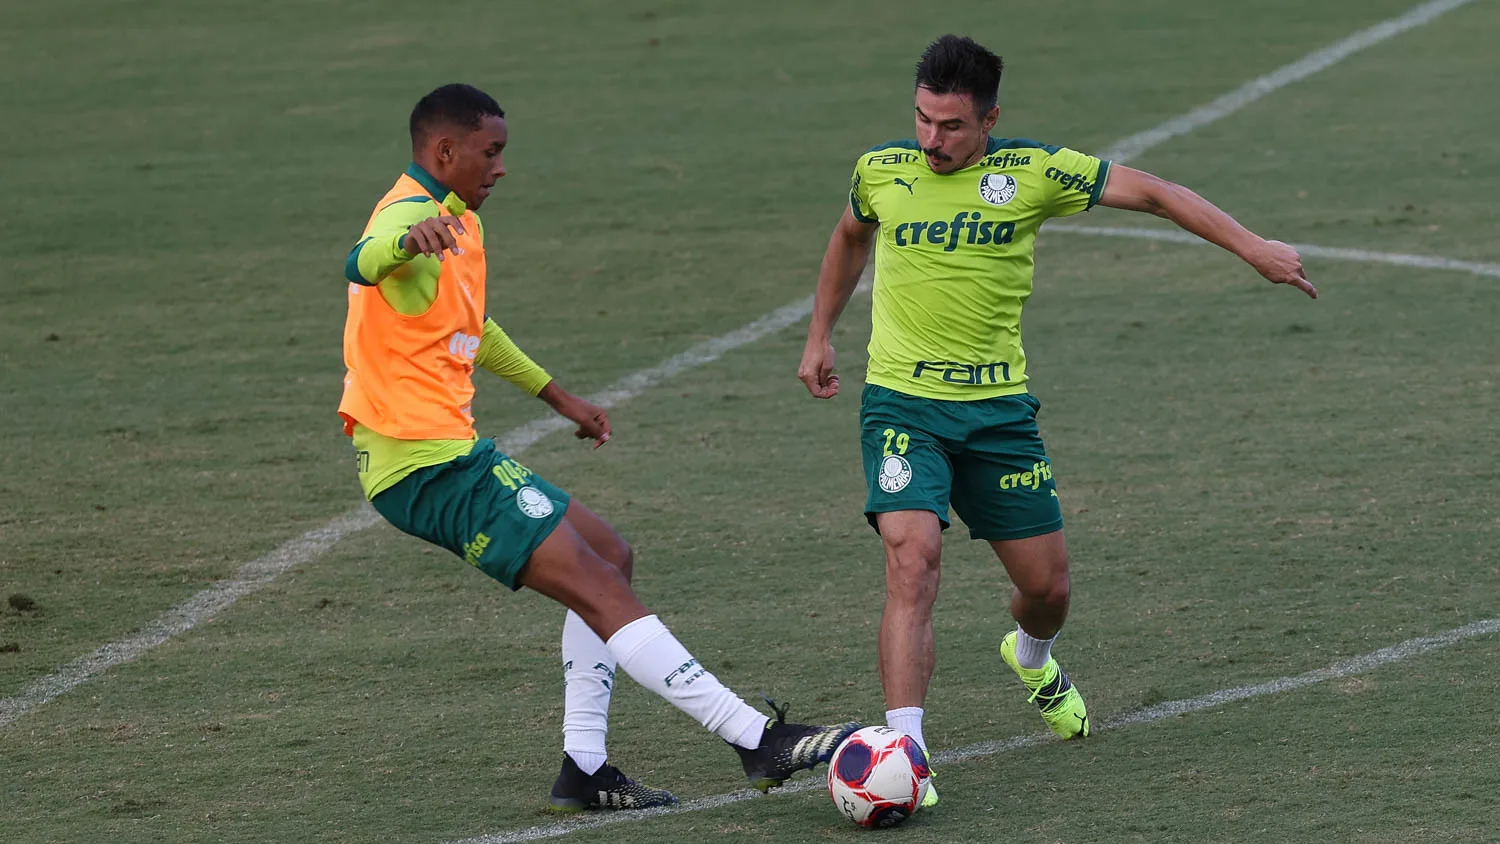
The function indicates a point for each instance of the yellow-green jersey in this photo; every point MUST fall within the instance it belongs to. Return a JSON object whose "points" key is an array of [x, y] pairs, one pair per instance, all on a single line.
{"points": [[954, 260]]}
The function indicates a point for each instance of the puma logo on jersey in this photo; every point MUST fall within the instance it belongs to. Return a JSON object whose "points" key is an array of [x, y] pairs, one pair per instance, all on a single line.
{"points": [[967, 227], [463, 345], [908, 185]]}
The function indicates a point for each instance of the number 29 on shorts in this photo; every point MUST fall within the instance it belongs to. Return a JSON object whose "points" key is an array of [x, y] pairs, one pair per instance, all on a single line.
{"points": [[902, 442]]}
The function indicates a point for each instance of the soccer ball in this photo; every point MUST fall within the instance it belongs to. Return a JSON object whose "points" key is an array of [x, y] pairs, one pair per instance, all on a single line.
{"points": [[878, 777]]}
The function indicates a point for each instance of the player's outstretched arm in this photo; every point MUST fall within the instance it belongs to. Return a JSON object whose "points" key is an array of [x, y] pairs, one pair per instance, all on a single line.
{"points": [[1135, 190], [500, 355], [843, 263], [593, 421]]}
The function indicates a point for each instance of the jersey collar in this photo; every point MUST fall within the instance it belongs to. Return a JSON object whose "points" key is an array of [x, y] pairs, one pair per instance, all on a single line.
{"points": [[449, 200], [991, 145]]}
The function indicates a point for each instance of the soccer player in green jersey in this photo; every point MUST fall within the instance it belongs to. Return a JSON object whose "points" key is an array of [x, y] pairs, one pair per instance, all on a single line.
{"points": [[415, 332], [946, 417]]}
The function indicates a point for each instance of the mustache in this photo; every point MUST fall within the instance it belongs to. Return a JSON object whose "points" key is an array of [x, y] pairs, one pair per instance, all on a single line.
{"points": [[938, 154]]}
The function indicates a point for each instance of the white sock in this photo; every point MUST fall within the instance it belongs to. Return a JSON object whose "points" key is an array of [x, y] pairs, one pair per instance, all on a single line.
{"points": [[588, 682], [653, 657], [588, 762], [750, 738], [907, 719], [1032, 653]]}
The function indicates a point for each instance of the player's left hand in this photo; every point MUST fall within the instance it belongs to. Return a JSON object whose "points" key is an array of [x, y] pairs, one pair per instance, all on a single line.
{"points": [[816, 370], [593, 421], [1281, 264]]}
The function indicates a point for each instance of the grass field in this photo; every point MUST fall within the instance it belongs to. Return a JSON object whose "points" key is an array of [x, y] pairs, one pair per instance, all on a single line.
{"points": [[1256, 485]]}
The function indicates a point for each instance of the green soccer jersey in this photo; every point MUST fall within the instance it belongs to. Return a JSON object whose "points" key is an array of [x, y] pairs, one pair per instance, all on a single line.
{"points": [[954, 259]]}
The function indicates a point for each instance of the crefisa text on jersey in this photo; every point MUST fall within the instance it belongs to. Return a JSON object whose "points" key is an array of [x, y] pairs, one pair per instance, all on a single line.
{"points": [[1074, 181], [948, 235], [1006, 159]]}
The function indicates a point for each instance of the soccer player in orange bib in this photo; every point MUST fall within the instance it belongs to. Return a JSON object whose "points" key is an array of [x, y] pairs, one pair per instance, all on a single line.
{"points": [[415, 331]]}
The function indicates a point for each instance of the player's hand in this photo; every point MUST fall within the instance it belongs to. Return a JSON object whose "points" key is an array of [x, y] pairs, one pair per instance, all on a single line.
{"points": [[432, 237], [816, 370], [593, 421], [1281, 264]]}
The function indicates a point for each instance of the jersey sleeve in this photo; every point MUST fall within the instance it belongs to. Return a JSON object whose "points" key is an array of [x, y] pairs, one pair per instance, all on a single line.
{"points": [[1074, 180], [859, 198], [379, 252], [500, 355]]}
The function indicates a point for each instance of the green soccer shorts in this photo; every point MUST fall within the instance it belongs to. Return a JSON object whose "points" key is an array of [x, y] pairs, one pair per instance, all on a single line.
{"points": [[985, 458], [485, 507]]}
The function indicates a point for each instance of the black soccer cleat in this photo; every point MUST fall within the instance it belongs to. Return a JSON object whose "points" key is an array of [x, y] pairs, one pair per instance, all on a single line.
{"points": [[606, 788], [786, 749]]}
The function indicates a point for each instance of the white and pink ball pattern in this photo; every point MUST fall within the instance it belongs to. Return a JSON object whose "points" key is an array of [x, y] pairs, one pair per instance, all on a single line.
{"points": [[878, 776]]}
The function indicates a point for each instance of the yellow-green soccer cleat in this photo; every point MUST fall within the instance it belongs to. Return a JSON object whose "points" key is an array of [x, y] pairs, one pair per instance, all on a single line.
{"points": [[1053, 693], [930, 799]]}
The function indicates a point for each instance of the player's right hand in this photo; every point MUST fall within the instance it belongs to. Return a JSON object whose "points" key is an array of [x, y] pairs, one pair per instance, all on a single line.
{"points": [[432, 238], [1280, 264], [817, 372]]}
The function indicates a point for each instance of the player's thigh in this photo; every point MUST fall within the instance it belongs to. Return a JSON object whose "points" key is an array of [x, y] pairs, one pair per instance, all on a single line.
{"points": [[1003, 485], [906, 465], [601, 536], [484, 507]]}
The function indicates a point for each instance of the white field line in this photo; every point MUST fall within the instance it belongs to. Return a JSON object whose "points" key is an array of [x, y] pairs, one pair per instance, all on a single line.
{"points": [[187, 614], [1344, 668], [633, 385], [1307, 250], [1298, 70], [257, 573]]}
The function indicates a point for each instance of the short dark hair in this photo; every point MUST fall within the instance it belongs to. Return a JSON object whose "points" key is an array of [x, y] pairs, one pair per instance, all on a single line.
{"points": [[955, 64], [456, 104]]}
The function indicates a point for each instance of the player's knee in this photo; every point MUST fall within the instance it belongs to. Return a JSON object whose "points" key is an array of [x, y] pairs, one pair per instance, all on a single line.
{"points": [[617, 552], [1058, 595], [1052, 590], [911, 572], [624, 559]]}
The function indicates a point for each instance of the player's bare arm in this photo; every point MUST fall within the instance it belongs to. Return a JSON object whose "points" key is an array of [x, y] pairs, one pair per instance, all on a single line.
{"points": [[843, 263], [432, 237], [1134, 190], [592, 420]]}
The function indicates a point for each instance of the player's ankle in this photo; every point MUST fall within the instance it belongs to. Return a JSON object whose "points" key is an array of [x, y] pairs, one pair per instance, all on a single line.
{"points": [[907, 719], [1032, 653]]}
